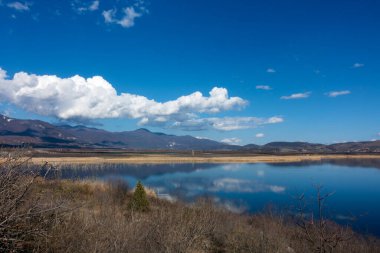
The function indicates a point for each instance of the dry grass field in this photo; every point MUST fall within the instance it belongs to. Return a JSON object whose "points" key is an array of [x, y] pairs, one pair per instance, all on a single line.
{"points": [[164, 158]]}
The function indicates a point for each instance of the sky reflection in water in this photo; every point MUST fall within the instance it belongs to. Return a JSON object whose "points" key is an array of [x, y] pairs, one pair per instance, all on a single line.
{"points": [[252, 187]]}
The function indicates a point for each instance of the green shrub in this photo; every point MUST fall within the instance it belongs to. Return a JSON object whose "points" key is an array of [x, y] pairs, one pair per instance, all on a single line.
{"points": [[139, 201]]}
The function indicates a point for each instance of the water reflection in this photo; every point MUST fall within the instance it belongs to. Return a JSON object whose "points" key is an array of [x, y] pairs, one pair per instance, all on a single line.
{"points": [[352, 162], [250, 187], [139, 171]]}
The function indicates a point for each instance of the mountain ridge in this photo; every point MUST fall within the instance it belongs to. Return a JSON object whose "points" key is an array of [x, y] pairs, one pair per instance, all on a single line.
{"points": [[37, 133]]}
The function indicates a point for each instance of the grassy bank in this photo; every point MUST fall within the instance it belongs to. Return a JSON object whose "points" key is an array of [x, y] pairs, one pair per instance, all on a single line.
{"points": [[39, 215]]}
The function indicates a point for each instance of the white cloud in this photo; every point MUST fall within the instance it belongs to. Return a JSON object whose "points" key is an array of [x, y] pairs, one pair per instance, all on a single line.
{"points": [[358, 65], [334, 94], [224, 124], [77, 98], [232, 141], [263, 87], [19, 6], [202, 138], [275, 120], [297, 96], [108, 16], [270, 70], [126, 21], [93, 6], [260, 135]]}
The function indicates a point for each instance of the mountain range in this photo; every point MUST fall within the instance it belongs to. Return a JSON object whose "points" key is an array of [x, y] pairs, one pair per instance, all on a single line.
{"points": [[40, 134]]}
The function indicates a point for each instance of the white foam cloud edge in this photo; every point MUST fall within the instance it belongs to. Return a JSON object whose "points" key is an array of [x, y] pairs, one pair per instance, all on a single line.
{"points": [[79, 99]]}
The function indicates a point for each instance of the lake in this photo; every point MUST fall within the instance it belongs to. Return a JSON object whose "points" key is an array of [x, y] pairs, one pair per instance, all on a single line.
{"points": [[248, 188]]}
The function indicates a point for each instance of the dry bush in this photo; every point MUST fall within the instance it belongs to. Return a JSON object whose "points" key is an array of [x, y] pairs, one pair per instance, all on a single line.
{"points": [[118, 189], [322, 235], [176, 227], [108, 228], [26, 213]]}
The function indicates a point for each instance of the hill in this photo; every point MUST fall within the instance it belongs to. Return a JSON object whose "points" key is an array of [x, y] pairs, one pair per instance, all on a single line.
{"points": [[40, 134]]}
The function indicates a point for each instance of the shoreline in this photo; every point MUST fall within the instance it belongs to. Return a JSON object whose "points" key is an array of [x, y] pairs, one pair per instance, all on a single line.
{"points": [[171, 159]]}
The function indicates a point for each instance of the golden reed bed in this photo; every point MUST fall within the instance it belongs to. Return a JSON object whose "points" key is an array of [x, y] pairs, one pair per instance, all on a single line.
{"points": [[150, 159]]}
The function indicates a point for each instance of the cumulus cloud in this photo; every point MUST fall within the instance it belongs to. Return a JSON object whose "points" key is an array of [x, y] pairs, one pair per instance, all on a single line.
{"points": [[19, 6], [270, 70], [334, 94], [82, 99], [77, 99], [127, 20], [297, 96], [357, 65], [260, 135], [263, 87], [232, 141]]}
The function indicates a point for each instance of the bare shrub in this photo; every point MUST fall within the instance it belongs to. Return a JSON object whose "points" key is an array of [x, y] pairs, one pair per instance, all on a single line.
{"points": [[25, 212], [323, 235], [118, 189]]}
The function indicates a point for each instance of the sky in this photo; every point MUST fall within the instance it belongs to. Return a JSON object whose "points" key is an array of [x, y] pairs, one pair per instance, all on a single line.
{"points": [[237, 71]]}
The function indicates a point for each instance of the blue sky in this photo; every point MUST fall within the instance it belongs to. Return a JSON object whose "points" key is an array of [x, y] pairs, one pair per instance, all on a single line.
{"points": [[293, 70]]}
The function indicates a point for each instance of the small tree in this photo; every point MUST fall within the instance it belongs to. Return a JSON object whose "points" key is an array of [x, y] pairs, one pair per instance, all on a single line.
{"points": [[139, 200]]}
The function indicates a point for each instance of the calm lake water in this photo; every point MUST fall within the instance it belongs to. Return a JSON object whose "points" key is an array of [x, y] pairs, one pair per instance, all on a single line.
{"points": [[253, 187]]}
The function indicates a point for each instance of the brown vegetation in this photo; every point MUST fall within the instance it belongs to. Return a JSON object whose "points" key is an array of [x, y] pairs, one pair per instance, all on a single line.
{"points": [[212, 158], [77, 216]]}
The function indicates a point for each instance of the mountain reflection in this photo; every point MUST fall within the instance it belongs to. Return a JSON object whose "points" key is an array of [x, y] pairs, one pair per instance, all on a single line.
{"points": [[251, 187]]}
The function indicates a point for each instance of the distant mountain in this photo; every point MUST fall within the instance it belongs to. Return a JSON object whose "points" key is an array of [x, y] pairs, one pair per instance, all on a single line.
{"points": [[15, 132], [313, 148], [365, 146], [37, 133], [293, 147]]}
